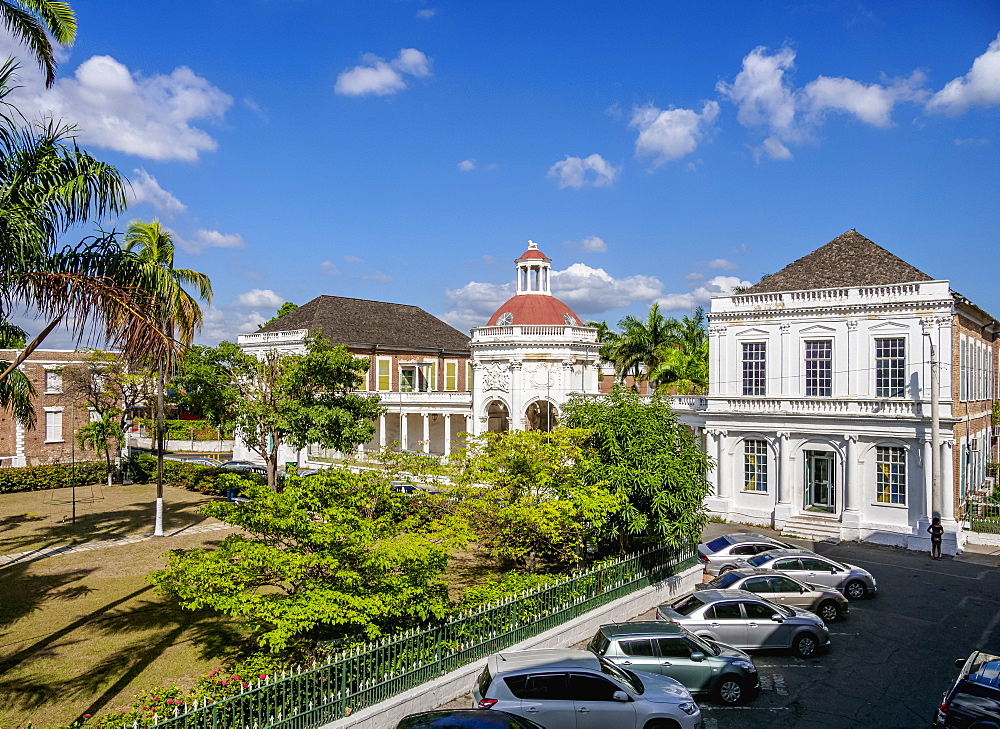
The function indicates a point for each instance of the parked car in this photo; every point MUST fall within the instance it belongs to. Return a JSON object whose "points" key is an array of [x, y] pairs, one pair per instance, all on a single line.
{"points": [[705, 667], [724, 553], [204, 461], [466, 719], [973, 701], [747, 621], [571, 689], [805, 566], [245, 466], [826, 602]]}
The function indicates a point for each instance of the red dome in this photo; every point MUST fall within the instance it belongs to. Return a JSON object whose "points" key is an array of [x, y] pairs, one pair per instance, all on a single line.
{"points": [[535, 309], [533, 253]]}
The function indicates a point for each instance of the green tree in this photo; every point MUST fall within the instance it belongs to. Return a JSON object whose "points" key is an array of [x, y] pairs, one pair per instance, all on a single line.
{"points": [[108, 383], [32, 22], [296, 399], [651, 460], [524, 496], [682, 366], [287, 308], [101, 434], [637, 349], [335, 554], [606, 337]]}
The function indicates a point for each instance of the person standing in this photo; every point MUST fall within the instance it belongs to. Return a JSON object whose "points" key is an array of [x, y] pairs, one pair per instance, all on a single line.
{"points": [[937, 532]]}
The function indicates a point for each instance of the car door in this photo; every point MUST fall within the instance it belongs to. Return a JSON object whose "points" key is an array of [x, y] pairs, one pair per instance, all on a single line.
{"points": [[741, 552], [786, 591], [727, 624], [675, 662], [638, 654], [545, 699], [820, 572], [762, 630], [595, 706], [791, 565], [757, 585]]}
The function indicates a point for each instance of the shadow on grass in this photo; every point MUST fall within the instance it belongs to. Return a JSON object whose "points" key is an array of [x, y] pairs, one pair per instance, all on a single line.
{"points": [[23, 593]]}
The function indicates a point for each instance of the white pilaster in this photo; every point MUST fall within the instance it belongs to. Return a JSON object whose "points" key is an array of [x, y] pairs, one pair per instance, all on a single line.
{"points": [[404, 435], [447, 434], [853, 491], [426, 439]]}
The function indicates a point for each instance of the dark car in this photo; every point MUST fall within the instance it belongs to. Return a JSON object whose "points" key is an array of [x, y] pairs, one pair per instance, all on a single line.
{"points": [[974, 699], [245, 466], [466, 719]]}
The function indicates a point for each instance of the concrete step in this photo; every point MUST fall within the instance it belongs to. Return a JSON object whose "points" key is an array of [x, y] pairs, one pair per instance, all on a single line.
{"points": [[812, 527]]}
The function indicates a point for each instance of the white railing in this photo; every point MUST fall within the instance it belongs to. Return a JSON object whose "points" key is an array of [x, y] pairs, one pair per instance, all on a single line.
{"points": [[839, 296], [425, 398], [826, 406], [292, 335], [536, 331]]}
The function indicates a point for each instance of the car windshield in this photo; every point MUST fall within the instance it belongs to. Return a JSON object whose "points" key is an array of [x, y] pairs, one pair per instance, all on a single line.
{"points": [[716, 544], [781, 609], [687, 605], [709, 649], [626, 677], [724, 581], [761, 559]]}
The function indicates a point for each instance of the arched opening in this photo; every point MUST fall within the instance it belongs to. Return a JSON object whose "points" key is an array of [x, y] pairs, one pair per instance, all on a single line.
{"points": [[498, 417], [542, 415]]}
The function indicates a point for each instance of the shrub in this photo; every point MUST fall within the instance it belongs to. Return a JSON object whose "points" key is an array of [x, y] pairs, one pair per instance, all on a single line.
{"points": [[51, 476], [190, 476]]}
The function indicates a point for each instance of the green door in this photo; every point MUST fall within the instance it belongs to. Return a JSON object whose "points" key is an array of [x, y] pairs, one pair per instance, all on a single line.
{"points": [[819, 485]]}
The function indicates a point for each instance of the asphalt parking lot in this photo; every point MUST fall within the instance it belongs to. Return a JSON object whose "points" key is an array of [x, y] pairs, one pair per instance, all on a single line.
{"points": [[892, 659]]}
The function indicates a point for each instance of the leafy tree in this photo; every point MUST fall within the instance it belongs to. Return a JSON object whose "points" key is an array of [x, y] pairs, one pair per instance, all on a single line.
{"points": [[682, 365], [334, 554], [107, 383], [287, 308], [637, 349], [606, 337], [33, 21], [100, 434], [284, 398], [648, 458], [526, 500]]}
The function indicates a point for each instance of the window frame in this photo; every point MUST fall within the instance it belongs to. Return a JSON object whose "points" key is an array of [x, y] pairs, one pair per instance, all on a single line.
{"points": [[755, 465], [54, 425], [890, 482], [890, 369], [818, 369], [386, 364], [754, 370]]}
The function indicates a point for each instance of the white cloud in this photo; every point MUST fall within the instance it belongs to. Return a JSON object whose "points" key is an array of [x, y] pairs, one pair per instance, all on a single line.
{"points": [[979, 87], [587, 291], [694, 276], [723, 264], [772, 148], [669, 134], [574, 172], [702, 294], [870, 103], [972, 142], [209, 239], [220, 323], [115, 108], [467, 165], [145, 189], [426, 13], [353, 259], [259, 299], [379, 77], [761, 90], [593, 244], [378, 276], [329, 268]]}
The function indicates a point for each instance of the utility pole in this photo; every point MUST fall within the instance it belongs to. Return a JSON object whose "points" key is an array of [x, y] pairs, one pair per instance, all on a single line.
{"points": [[936, 496]]}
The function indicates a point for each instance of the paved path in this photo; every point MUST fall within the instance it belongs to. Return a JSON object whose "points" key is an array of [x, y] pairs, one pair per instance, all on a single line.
{"points": [[34, 554]]}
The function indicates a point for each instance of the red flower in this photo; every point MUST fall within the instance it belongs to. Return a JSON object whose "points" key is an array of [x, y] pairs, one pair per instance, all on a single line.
{"points": [[86, 716]]}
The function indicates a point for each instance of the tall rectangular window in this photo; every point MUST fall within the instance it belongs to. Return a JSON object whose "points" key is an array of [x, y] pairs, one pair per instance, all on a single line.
{"points": [[963, 366], [53, 426], [819, 369], [754, 372], [754, 465], [53, 382], [890, 476], [890, 367], [468, 376], [432, 378], [450, 376], [384, 378]]}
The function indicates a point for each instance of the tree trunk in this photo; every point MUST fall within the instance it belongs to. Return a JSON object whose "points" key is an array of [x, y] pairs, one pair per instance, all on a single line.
{"points": [[31, 347], [161, 427], [272, 469]]}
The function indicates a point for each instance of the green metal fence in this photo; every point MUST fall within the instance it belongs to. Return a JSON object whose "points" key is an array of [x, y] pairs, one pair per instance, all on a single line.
{"points": [[308, 698], [982, 514]]}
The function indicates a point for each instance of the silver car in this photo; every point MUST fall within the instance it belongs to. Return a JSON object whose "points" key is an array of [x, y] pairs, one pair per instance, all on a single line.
{"points": [[571, 689], [725, 553], [805, 566], [747, 621], [826, 602]]}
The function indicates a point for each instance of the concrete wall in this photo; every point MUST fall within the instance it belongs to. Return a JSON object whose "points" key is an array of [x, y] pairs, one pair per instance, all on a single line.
{"points": [[440, 691]]}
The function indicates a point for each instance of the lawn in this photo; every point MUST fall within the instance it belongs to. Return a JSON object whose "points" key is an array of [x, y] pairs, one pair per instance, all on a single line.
{"points": [[82, 633]]}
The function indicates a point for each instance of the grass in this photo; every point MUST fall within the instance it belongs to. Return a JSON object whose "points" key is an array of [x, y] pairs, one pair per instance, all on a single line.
{"points": [[84, 632]]}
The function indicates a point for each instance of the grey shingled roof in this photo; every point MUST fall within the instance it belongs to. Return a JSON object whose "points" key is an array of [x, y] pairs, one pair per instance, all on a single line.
{"points": [[847, 260], [363, 322]]}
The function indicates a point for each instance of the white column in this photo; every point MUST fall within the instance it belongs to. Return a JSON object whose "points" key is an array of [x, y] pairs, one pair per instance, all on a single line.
{"points": [[785, 354], [426, 447], [712, 449], [516, 414], [947, 482], [928, 507], [853, 359], [723, 490], [784, 468], [404, 435], [447, 434], [381, 430], [852, 485]]}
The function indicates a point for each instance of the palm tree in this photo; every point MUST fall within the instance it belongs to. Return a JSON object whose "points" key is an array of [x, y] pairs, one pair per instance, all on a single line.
{"points": [[606, 337], [682, 365], [178, 314], [637, 349], [33, 21]]}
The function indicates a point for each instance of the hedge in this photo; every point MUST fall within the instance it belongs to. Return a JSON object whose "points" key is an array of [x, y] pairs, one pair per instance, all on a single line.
{"points": [[52, 476]]}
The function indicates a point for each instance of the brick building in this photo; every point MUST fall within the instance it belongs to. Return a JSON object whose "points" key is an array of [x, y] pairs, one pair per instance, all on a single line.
{"points": [[51, 440]]}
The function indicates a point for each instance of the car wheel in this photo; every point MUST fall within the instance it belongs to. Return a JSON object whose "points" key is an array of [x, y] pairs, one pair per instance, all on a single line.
{"points": [[725, 568], [829, 611], [729, 691], [662, 724], [805, 645], [856, 589]]}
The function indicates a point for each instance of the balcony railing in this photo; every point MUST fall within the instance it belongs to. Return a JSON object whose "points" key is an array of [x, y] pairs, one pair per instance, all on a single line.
{"points": [[827, 406], [540, 331], [425, 398]]}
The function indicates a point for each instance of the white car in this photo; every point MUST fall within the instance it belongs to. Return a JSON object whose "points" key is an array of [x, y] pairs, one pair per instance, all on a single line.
{"points": [[571, 689]]}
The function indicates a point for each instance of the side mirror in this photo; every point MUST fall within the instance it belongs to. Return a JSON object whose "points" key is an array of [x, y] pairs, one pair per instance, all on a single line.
{"points": [[697, 656], [777, 618], [959, 662], [834, 570], [620, 696]]}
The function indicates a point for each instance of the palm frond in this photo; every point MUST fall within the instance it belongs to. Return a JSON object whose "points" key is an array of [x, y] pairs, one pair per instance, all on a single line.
{"points": [[16, 395]]}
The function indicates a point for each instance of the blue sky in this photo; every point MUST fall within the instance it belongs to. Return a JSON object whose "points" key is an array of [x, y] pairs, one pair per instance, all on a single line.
{"points": [[406, 151]]}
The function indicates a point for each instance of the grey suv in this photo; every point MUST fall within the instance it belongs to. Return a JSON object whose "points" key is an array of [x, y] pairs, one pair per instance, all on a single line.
{"points": [[745, 620], [704, 667], [724, 553], [782, 589], [806, 566], [569, 689]]}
